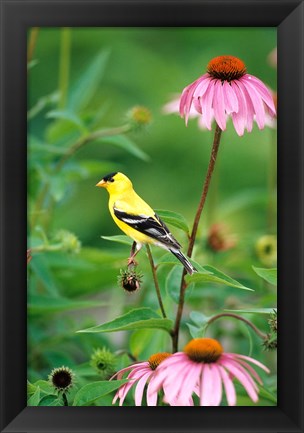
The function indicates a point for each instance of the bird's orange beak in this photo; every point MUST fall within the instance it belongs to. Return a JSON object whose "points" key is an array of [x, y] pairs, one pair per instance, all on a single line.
{"points": [[101, 184]]}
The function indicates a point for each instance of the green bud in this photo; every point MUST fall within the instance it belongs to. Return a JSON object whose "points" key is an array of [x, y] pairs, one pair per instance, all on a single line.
{"points": [[104, 362]]}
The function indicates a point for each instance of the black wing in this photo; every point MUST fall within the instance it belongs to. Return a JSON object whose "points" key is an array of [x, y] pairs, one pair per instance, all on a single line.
{"points": [[148, 226]]}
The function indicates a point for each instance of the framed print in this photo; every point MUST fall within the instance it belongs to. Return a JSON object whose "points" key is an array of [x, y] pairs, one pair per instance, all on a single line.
{"points": [[154, 178]]}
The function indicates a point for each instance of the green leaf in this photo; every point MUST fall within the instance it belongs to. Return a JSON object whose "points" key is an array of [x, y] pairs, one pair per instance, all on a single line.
{"points": [[138, 318], [93, 391], [30, 388], [174, 219], [119, 238], [86, 87], [69, 116], [35, 398], [215, 276], [39, 304], [51, 400], [269, 275], [173, 283], [125, 143], [42, 103], [254, 310], [265, 393], [45, 386], [200, 320]]}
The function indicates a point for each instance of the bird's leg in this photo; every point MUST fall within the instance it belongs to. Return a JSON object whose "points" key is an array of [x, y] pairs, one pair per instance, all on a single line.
{"points": [[134, 251]]}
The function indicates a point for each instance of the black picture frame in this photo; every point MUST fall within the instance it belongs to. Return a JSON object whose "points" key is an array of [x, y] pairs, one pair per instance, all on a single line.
{"points": [[16, 17]]}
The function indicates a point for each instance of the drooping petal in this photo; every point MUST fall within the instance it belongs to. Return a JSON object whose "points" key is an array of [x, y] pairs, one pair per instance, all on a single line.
{"points": [[254, 361], [229, 387], [191, 381], [231, 101], [206, 386], [151, 396], [249, 106], [257, 103], [240, 118], [202, 86], [139, 390], [242, 378], [263, 91], [219, 105], [206, 104], [217, 385], [121, 372], [186, 100]]}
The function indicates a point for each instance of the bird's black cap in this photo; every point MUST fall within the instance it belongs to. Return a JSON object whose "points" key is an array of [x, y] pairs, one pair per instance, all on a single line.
{"points": [[109, 177]]}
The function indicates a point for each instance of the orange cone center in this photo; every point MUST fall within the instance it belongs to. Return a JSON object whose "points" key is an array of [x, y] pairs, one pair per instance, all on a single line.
{"points": [[226, 68], [157, 358], [203, 350]]}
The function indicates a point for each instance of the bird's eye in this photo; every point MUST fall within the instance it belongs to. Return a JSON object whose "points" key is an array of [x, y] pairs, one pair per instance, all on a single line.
{"points": [[111, 180]]}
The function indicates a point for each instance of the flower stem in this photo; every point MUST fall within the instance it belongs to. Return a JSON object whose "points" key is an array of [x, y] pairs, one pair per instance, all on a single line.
{"points": [[236, 316], [64, 66], [153, 267], [214, 151], [65, 400]]}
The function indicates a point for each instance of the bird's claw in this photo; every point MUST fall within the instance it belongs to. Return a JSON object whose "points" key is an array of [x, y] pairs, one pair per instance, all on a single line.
{"points": [[132, 262]]}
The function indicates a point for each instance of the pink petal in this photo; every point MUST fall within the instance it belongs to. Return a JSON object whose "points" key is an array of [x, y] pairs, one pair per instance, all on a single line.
{"points": [[257, 103], [231, 101], [192, 379], [263, 90], [206, 103], [242, 378], [151, 396], [219, 105], [217, 385], [202, 86], [229, 387], [249, 106], [186, 100], [206, 386], [119, 374], [254, 361], [197, 105], [240, 118], [140, 388]]}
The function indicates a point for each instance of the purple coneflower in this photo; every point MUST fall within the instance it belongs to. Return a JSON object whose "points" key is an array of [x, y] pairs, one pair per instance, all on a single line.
{"points": [[140, 374], [227, 90], [202, 368]]}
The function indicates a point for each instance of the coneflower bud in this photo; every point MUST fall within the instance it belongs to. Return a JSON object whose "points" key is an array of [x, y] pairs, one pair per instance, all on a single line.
{"points": [[70, 243], [139, 116], [129, 280], [104, 362], [62, 379], [270, 342], [266, 249], [273, 323]]}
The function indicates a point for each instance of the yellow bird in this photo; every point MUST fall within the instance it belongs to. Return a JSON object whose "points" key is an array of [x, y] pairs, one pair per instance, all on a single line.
{"points": [[138, 220]]}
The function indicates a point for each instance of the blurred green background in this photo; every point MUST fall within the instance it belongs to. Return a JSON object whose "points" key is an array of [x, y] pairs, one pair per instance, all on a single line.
{"points": [[85, 79]]}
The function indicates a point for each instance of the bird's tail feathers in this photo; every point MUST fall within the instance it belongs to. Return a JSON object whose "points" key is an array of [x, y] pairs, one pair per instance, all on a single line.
{"points": [[183, 259]]}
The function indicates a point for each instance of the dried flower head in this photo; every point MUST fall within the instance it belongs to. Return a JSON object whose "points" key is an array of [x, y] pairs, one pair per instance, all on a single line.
{"points": [[62, 378], [129, 280]]}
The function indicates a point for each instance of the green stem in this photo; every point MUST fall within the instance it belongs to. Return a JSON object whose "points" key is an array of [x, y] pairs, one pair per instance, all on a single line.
{"points": [[65, 400], [64, 66], [183, 286], [157, 288], [236, 316], [272, 182]]}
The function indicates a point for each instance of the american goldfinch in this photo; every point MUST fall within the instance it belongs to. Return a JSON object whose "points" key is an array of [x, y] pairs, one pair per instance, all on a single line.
{"points": [[137, 219]]}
